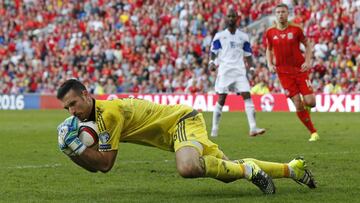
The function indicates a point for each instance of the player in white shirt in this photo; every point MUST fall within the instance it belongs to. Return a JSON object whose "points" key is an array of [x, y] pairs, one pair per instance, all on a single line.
{"points": [[229, 48]]}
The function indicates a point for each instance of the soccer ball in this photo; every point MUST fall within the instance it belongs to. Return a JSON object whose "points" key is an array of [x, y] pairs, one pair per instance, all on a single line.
{"points": [[88, 133]]}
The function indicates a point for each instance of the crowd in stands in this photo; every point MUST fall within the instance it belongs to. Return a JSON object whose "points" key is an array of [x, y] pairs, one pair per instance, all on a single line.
{"points": [[161, 46]]}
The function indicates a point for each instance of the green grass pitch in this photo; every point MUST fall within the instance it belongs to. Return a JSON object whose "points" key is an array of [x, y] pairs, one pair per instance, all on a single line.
{"points": [[32, 169]]}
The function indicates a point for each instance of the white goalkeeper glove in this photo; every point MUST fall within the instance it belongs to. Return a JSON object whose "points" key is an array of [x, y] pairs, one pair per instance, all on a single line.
{"points": [[65, 149], [68, 139]]}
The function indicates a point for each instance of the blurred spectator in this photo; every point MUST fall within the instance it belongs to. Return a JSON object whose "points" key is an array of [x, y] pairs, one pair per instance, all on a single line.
{"points": [[332, 87], [261, 86]]}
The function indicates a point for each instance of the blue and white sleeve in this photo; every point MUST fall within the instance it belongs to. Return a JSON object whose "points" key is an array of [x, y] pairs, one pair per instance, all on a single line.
{"points": [[216, 45], [247, 47]]}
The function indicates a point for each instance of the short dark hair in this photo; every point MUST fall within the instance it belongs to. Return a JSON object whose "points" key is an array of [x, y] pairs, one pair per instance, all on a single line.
{"points": [[282, 5], [68, 85]]}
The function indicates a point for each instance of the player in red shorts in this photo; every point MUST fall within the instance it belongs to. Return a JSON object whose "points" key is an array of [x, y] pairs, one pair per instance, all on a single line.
{"points": [[284, 57]]}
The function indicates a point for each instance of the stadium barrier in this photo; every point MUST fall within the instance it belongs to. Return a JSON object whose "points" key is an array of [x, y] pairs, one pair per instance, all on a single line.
{"points": [[202, 102]]}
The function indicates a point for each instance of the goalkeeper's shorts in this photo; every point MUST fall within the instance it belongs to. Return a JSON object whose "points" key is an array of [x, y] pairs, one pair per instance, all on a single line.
{"points": [[191, 132]]}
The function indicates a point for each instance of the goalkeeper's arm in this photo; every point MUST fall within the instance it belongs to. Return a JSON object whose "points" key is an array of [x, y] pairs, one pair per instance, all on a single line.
{"points": [[88, 158], [94, 160], [81, 163]]}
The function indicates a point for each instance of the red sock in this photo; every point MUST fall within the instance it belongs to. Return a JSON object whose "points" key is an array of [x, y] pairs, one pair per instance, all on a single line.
{"points": [[304, 116]]}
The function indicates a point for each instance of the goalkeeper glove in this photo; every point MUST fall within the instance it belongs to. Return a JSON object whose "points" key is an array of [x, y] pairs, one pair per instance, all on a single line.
{"points": [[68, 137], [65, 149]]}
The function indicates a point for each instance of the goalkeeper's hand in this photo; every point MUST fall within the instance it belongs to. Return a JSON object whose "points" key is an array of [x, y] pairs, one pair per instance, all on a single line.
{"points": [[64, 148], [68, 137]]}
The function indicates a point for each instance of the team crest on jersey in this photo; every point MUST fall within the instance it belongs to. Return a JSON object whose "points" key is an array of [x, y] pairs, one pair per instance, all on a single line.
{"points": [[290, 35]]}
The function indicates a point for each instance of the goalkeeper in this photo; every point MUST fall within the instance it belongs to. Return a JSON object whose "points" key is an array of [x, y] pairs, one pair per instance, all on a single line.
{"points": [[176, 128]]}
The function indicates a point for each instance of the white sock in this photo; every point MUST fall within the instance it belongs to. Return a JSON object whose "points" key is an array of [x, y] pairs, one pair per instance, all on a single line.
{"points": [[250, 113], [292, 172], [248, 171], [216, 116]]}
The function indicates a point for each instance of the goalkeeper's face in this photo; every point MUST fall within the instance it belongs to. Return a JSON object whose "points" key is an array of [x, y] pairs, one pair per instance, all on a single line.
{"points": [[78, 104]]}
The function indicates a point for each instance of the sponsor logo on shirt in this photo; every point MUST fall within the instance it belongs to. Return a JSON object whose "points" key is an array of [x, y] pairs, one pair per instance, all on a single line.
{"points": [[275, 37], [283, 35]]}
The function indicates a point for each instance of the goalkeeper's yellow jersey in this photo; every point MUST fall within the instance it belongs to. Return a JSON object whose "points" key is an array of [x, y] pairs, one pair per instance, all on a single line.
{"points": [[137, 121]]}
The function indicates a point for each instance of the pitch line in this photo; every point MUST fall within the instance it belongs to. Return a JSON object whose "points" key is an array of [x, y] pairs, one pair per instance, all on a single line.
{"points": [[57, 165], [33, 166]]}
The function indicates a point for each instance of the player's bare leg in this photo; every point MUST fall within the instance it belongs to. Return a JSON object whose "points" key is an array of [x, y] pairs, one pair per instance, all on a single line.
{"points": [[217, 114], [188, 164], [250, 113], [304, 115], [309, 102]]}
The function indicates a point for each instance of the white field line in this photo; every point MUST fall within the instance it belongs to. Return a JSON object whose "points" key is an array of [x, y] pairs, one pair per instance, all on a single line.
{"points": [[56, 165], [33, 166], [321, 153]]}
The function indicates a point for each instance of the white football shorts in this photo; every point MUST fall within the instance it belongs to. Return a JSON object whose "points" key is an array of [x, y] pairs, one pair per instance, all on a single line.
{"points": [[224, 85]]}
